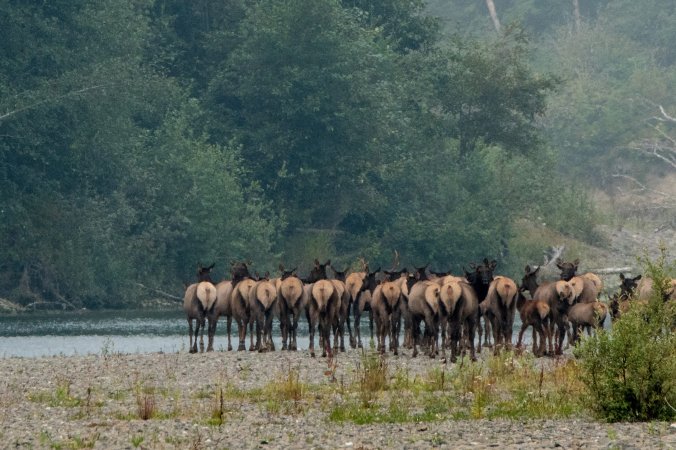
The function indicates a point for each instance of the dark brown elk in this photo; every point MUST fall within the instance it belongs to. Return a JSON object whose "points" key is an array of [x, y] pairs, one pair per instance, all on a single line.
{"points": [[535, 313], [588, 316], [198, 300], [291, 303], [499, 307], [568, 269], [361, 302], [322, 307], [620, 301], [343, 316], [386, 305], [262, 306], [480, 279]]}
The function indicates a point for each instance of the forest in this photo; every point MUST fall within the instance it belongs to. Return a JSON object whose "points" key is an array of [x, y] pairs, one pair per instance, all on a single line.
{"points": [[140, 138]]}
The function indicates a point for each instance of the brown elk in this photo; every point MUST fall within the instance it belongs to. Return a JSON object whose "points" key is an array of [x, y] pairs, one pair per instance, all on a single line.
{"points": [[290, 302], [560, 296], [343, 316], [587, 315], [361, 301], [462, 305], [262, 306], [535, 313], [499, 307], [585, 289], [646, 285], [241, 311], [199, 298], [221, 308], [423, 305], [322, 307], [386, 306]]}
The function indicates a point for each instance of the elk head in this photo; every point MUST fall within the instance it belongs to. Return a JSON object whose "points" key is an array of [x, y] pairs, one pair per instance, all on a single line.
{"points": [[568, 269]]}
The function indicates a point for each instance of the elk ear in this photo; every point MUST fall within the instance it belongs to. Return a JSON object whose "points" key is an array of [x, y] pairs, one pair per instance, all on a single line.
{"points": [[281, 267], [328, 262], [211, 266], [493, 264], [576, 262], [621, 276], [267, 275], [527, 269], [316, 262], [538, 269], [637, 278], [558, 264], [471, 266]]}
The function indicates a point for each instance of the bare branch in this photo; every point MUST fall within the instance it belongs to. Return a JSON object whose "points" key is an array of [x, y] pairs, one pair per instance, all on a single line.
{"points": [[494, 15], [42, 102], [665, 115]]}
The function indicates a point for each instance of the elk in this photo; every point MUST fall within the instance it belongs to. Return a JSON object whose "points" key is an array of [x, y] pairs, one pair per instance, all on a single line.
{"points": [[620, 301], [221, 308], [262, 304], [322, 307], [585, 289], [480, 279], [361, 301], [586, 315], [423, 305], [535, 313], [343, 315], [242, 283], [463, 314], [198, 300], [290, 302], [560, 296], [592, 282], [499, 307], [645, 289], [385, 303]]}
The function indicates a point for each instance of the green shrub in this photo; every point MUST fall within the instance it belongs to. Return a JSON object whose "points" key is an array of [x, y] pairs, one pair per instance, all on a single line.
{"points": [[629, 370]]}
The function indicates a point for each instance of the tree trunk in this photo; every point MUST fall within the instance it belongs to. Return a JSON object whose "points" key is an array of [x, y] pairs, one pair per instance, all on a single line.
{"points": [[576, 14], [494, 14]]}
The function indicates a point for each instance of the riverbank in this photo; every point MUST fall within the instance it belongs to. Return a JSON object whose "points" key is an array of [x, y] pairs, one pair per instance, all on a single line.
{"points": [[289, 400]]}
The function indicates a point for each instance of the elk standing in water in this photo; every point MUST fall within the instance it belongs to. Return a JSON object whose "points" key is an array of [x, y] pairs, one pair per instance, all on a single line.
{"points": [[198, 300], [480, 279], [534, 313], [291, 302], [322, 307]]}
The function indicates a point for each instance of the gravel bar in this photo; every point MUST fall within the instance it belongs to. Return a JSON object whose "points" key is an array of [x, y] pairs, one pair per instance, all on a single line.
{"points": [[93, 402]]}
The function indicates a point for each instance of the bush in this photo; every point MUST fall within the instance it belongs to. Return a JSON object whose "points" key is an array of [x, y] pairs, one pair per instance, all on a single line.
{"points": [[629, 370]]}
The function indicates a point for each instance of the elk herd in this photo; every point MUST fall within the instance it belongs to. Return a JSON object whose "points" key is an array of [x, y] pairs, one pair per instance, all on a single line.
{"points": [[431, 306]]}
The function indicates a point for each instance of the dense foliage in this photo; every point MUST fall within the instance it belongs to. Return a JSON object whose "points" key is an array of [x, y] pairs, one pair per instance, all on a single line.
{"points": [[140, 137], [629, 370]]}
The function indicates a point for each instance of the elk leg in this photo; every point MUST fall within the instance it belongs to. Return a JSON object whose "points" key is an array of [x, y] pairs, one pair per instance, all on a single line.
{"points": [[294, 328], [201, 332], [241, 330], [357, 330], [190, 332], [228, 326], [212, 332]]}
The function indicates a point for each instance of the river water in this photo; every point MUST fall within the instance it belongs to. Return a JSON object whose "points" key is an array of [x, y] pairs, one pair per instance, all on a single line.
{"points": [[101, 332]]}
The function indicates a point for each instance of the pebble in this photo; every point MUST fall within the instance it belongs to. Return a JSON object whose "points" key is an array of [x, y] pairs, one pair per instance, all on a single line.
{"points": [[187, 384]]}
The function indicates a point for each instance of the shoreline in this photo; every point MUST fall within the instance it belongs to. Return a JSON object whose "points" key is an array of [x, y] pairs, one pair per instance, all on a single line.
{"points": [[94, 401]]}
